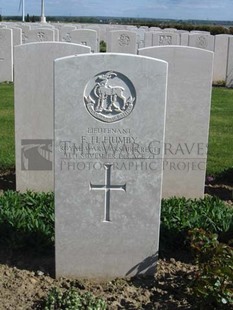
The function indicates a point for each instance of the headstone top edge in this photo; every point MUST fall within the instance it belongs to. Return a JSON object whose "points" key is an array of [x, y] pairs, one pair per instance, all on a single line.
{"points": [[53, 43], [105, 55], [177, 47]]}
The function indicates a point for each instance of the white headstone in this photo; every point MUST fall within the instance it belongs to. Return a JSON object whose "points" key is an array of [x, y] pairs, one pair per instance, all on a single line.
{"points": [[6, 55], [85, 37], [201, 40], [34, 111], [220, 57], [140, 37], [93, 27], [122, 41], [40, 35], [25, 30], [165, 38], [187, 120], [229, 77], [184, 38], [108, 186], [65, 33]]}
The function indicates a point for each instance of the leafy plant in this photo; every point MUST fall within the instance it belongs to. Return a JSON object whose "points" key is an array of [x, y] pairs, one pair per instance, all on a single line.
{"points": [[103, 46], [213, 284], [27, 219], [72, 300], [179, 215]]}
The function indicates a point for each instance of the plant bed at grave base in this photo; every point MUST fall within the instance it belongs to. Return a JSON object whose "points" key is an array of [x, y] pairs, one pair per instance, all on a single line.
{"points": [[22, 289], [27, 260]]}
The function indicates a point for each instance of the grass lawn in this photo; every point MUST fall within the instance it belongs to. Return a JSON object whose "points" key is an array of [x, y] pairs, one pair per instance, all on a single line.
{"points": [[7, 143], [220, 140], [220, 155]]}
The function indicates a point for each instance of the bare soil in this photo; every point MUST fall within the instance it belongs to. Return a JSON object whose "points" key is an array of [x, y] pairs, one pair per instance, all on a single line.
{"points": [[24, 287], [26, 278]]}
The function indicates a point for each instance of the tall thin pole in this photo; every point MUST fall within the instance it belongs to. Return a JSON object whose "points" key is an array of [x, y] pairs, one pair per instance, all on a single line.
{"points": [[42, 8], [23, 11], [42, 18]]}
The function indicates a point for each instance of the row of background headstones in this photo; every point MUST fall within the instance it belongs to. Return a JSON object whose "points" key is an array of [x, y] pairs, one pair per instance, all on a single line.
{"points": [[189, 92], [119, 41]]}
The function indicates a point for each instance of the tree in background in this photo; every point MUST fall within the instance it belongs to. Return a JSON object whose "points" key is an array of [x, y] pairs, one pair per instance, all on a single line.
{"points": [[27, 19]]}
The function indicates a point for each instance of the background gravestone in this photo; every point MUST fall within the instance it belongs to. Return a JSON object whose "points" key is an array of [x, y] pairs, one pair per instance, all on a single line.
{"points": [[220, 57], [122, 41], [187, 118], [85, 37], [165, 38], [184, 37], [107, 176], [229, 77], [34, 111], [64, 35], [6, 55], [40, 35], [201, 40]]}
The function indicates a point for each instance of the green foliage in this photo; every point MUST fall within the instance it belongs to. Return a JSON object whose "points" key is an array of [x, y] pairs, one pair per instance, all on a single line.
{"points": [[27, 220], [213, 284], [221, 128], [72, 300], [27, 19], [179, 215], [7, 136], [102, 46]]}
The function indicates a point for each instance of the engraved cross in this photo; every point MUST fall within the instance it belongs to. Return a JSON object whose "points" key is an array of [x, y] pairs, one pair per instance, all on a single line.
{"points": [[107, 187]]}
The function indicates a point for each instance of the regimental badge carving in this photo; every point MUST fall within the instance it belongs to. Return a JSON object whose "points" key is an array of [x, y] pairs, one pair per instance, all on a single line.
{"points": [[67, 37], [41, 36], [124, 40], [202, 42], [165, 40], [110, 96]]}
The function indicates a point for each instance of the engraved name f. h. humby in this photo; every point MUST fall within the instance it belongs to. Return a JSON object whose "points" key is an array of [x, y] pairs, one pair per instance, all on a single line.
{"points": [[107, 187]]}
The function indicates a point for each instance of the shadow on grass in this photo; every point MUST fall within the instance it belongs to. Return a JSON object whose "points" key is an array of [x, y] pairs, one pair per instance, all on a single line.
{"points": [[225, 177], [7, 180], [223, 192]]}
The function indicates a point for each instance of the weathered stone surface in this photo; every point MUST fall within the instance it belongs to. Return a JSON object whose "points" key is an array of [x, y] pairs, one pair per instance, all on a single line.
{"points": [[34, 111], [122, 41], [85, 37], [109, 113], [220, 57], [201, 40], [187, 119], [229, 77], [6, 55]]}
